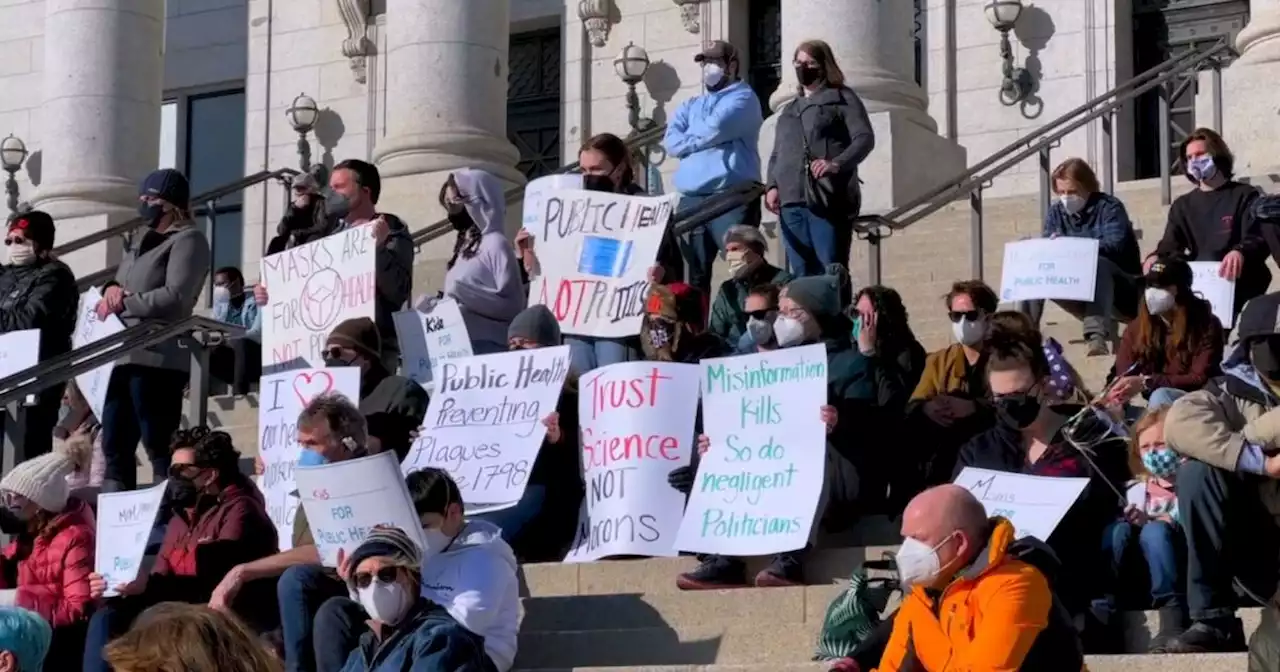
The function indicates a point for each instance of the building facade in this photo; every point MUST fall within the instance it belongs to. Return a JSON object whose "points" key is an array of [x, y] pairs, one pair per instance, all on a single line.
{"points": [[101, 91]]}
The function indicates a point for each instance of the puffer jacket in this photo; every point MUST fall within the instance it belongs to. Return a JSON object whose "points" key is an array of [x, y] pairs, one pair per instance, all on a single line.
{"points": [[51, 571], [1000, 615], [429, 640]]}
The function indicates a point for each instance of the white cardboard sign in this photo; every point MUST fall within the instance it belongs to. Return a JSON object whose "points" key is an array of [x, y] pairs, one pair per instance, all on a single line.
{"points": [[428, 338], [93, 384], [1034, 504], [19, 351], [535, 195], [1218, 291], [125, 520], [1049, 268]]}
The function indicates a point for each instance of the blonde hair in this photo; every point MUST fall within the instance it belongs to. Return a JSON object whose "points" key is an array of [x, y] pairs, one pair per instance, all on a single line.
{"points": [[1147, 421], [174, 636]]}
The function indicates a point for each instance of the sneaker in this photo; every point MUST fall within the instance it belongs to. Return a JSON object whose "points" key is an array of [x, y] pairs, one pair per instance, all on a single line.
{"points": [[1097, 344], [714, 573], [1225, 635], [780, 574], [1173, 623]]}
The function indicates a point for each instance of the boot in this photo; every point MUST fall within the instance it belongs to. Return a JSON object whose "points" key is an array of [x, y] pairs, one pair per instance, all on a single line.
{"points": [[1173, 622]]}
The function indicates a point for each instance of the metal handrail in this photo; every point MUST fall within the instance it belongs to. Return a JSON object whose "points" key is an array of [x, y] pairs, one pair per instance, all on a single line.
{"points": [[938, 197]]}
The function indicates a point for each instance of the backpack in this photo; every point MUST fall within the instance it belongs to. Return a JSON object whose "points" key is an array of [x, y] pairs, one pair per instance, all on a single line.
{"points": [[852, 615]]}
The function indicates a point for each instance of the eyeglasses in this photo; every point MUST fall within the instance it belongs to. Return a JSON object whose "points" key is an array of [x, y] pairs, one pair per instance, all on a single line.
{"points": [[332, 353], [971, 315], [15, 241], [384, 575]]}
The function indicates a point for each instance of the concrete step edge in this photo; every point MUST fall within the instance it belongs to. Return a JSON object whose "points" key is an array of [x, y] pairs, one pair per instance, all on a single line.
{"points": [[1206, 662]]}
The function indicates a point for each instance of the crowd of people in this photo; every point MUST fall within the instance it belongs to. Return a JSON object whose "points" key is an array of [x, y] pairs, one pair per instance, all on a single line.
{"points": [[1181, 449]]}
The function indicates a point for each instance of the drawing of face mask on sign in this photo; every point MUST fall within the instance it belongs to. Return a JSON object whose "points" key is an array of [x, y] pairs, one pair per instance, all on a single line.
{"points": [[321, 300], [605, 257]]}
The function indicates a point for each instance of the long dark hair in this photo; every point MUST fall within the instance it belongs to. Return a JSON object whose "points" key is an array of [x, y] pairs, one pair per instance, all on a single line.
{"points": [[432, 491], [1187, 330], [893, 332], [822, 54], [467, 242], [619, 155]]}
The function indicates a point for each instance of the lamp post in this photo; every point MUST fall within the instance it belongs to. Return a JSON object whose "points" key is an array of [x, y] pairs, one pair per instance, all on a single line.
{"points": [[13, 153], [1016, 84], [631, 66], [302, 116]]}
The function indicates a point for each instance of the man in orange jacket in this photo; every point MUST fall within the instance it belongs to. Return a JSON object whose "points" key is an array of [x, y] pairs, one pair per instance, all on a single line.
{"points": [[971, 605]]}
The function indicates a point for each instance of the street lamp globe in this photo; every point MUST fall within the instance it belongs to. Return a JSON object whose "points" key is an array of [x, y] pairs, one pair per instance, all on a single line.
{"points": [[303, 113], [13, 152], [1003, 14], [631, 64]]}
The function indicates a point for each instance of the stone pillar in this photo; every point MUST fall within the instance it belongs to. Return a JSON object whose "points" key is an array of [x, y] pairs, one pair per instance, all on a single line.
{"points": [[446, 102], [103, 80], [1248, 91], [1259, 41]]}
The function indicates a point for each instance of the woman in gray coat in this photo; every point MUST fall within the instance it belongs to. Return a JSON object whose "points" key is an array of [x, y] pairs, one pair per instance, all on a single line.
{"points": [[813, 184], [160, 278]]}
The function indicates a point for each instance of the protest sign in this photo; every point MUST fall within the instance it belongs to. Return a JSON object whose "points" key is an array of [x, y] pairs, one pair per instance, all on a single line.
{"points": [[1034, 504], [345, 500], [125, 520], [93, 384], [1049, 268], [312, 288], [637, 425], [429, 337], [19, 351], [283, 397], [595, 250], [757, 487], [484, 422], [1218, 291], [535, 195]]}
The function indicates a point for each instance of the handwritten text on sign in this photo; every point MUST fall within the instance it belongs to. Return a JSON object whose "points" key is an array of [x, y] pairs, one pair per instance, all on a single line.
{"points": [[125, 520], [484, 422], [1218, 291], [1042, 268], [19, 350], [283, 397], [428, 338], [1034, 504], [758, 486], [595, 250], [93, 384], [637, 425], [312, 288], [345, 500]]}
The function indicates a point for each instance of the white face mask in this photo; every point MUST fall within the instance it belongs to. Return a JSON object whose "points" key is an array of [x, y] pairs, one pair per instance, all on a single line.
{"points": [[969, 332], [385, 602], [21, 254], [738, 263], [221, 294], [437, 541], [918, 563], [788, 331], [1073, 203], [712, 75], [1159, 300]]}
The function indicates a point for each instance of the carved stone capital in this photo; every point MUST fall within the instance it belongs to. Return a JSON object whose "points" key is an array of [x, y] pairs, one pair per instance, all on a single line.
{"points": [[357, 46], [691, 14], [597, 19]]}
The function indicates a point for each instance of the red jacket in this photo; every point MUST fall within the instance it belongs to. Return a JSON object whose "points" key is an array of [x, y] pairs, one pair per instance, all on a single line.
{"points": [[52, 570], [204, 543]]}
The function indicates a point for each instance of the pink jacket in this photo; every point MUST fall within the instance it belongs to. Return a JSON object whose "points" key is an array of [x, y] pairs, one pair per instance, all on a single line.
{"points": [[53, 569]]}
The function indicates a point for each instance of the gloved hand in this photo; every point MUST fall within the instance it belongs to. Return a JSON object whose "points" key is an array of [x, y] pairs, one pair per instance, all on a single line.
{"points": [[1265, 430], [681, 478]]}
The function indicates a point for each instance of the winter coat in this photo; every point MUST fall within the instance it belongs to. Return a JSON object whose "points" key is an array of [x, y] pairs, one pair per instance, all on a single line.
{"points": [[393, 279], [728, 311], [41, 296], [1188, 370], [428, 640], [999, 615], [393, 407], [300, 226], [947, 371], [51, 571], [836, 126]]}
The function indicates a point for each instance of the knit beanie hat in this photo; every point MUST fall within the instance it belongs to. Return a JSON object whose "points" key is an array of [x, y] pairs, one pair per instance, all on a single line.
{"points": [[359, 334], [819, 295], [537, 324], [43, 480], [385, 542], [37, 226]]}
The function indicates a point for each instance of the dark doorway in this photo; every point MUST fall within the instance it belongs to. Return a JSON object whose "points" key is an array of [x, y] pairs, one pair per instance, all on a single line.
{"points": [[533, 101], [765, 51]]}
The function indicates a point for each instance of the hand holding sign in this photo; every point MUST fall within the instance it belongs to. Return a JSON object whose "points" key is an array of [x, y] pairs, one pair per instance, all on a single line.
{"points": [[1232, 265]]}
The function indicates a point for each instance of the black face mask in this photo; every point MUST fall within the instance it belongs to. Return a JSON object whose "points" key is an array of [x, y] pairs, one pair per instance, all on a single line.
{"points": [[10, 523], [152, 213], [1265, 358], [808, 76], [183, 492], [598, 183], [1018, 410], [337, 205], [461, 221]]}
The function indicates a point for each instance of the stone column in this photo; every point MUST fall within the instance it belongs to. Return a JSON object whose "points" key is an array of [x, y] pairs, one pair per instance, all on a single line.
{"points": [[446, 102], [1248, 91], [100, 118], [1259, 41]]}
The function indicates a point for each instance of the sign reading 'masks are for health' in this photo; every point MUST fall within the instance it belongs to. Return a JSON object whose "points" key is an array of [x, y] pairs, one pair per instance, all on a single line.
{"points": [[757, 487], [312, 288], [484, 424], [595, 250], [637, 425]]}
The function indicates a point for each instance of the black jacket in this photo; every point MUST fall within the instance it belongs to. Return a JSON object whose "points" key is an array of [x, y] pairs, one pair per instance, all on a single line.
{"points": [[394, 280], [41, 296], [300, 226], [835, 124], [393, 407]]}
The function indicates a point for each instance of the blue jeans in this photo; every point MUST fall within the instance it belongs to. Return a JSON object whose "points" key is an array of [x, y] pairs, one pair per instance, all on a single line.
{"points": [[700, 246], [1160, 398], [143, 403], [514, 519], [587, 353], [1162, 547], [339, 623], [301, 591], [109, 621], [812, 242]]}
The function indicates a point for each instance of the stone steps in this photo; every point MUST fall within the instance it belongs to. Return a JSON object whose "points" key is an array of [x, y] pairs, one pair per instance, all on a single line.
{"points": [[1212, 662]]}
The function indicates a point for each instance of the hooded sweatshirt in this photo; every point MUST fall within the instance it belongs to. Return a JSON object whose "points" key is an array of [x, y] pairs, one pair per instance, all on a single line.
{"points": [[475, 579], [486, 285]]}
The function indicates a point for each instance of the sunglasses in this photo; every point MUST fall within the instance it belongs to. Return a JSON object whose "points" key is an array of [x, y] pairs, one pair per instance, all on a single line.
{"points": [[762, 314], [971, 315], [15, 241], [332, 353], [384, 575], [182, 470]]}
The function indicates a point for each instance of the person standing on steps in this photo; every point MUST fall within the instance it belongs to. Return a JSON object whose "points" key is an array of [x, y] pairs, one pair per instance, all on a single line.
{"points": [[1215, 221], [1083, 211], [813, 186], [716, 136]]}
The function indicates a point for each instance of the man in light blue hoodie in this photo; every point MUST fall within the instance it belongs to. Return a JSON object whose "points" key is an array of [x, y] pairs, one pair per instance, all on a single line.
{"points": [[715, 136]]}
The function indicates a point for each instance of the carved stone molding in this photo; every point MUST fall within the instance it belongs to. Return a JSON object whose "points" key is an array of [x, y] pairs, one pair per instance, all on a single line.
{"points": [[691, 14], [596, 17], [357, 46]]}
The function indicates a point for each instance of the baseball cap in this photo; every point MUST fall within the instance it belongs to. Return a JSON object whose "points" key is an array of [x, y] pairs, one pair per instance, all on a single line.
{"points": [[718, 50], [1169, 272]]}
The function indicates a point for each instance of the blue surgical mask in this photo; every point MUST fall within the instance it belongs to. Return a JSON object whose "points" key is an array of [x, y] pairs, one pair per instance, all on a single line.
{"points": [[310, 458]]}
